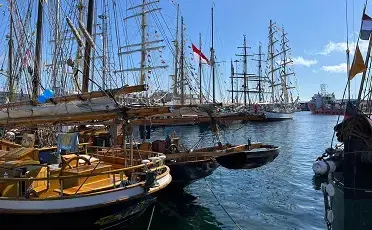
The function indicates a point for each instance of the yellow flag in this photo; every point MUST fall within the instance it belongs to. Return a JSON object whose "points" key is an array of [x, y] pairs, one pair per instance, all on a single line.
{"points": [[358, 64]]}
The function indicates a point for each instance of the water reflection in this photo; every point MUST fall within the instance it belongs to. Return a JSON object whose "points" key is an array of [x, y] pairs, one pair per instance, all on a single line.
{"points": [[182, 212], [280, 195]]}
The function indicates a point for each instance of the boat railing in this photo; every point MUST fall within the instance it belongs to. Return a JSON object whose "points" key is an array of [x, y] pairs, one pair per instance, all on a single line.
{"points": [[27, 182], [117, 151]]}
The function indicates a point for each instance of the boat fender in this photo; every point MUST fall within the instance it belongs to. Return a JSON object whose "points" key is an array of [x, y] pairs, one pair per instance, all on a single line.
{"points": [[323, 167], [330, 216], [328, 189], [31, 193]]}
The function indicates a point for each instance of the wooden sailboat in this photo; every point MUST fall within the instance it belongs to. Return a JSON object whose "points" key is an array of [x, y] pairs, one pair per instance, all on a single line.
{"points": [[71, 178]]}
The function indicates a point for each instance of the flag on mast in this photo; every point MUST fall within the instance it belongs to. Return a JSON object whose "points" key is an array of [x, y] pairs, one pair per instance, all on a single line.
{"points": [[366, 28], [358, 65], [199, 54]]}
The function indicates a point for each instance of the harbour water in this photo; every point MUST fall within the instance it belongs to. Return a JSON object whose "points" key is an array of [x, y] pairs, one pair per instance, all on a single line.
{"points": [[280, 195]]}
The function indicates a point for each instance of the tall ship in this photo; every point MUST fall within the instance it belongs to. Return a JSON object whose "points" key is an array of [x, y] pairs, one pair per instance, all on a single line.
{"points": [[325, 103], [280, 77]]}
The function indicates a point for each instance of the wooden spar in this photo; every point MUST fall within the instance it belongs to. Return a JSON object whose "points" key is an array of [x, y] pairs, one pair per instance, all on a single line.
{"points": [[182, 62], [143, 43], [10, 55], [88, 47], [126, 112], [83, 96], [200, 72], [175, 80], [271, 53], [260, 96], [213, 66], [232, 83], [38, 52]]}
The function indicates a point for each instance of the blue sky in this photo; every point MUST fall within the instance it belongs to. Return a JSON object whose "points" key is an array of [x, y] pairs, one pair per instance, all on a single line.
{"points": [[316, 30]]}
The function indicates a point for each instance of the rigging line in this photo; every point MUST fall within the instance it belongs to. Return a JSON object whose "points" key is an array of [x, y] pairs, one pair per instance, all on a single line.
{"points": [[236, 224], [347, 48], [152, 214], [123, 80], [157, 21], [338, 118]]}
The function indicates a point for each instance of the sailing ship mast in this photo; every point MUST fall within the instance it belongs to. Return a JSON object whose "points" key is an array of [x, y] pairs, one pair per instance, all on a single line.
{"points": [[283, 73], [283, 85], [105, 65], [247, 77], [213, 64], [10, 55], [232, 82], [38, 51], [144, 45], [182, 61], [245, 70], [176, 47], [200, 72], [260, 93], [88, 47], [270, 58]]}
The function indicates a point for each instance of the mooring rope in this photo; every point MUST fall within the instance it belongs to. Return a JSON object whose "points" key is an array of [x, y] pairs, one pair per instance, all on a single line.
{"points": [[152, 214], [218, 201]]}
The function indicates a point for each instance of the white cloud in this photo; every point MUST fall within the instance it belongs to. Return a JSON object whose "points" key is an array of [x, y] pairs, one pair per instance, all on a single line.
{"points": [[302, 61], [341, 47], [340, 68]]}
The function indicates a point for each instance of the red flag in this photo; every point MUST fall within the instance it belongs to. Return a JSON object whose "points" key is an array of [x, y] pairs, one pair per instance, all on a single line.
{"points": [[200, 54]]}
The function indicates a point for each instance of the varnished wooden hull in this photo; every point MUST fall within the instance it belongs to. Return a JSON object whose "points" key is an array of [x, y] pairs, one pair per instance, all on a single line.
{"points": [[187, 172], [78, 203]]}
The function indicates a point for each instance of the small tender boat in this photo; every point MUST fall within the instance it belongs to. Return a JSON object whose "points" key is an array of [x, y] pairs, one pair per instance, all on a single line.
{"points": [[247, 156], [188, 166]]}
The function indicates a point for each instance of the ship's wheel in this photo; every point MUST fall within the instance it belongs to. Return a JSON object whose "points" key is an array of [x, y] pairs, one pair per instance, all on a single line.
{"points": [[69, 164]]}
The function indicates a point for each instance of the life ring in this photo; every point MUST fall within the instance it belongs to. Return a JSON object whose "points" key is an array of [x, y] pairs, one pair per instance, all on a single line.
{"points": [[31, 193]]}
